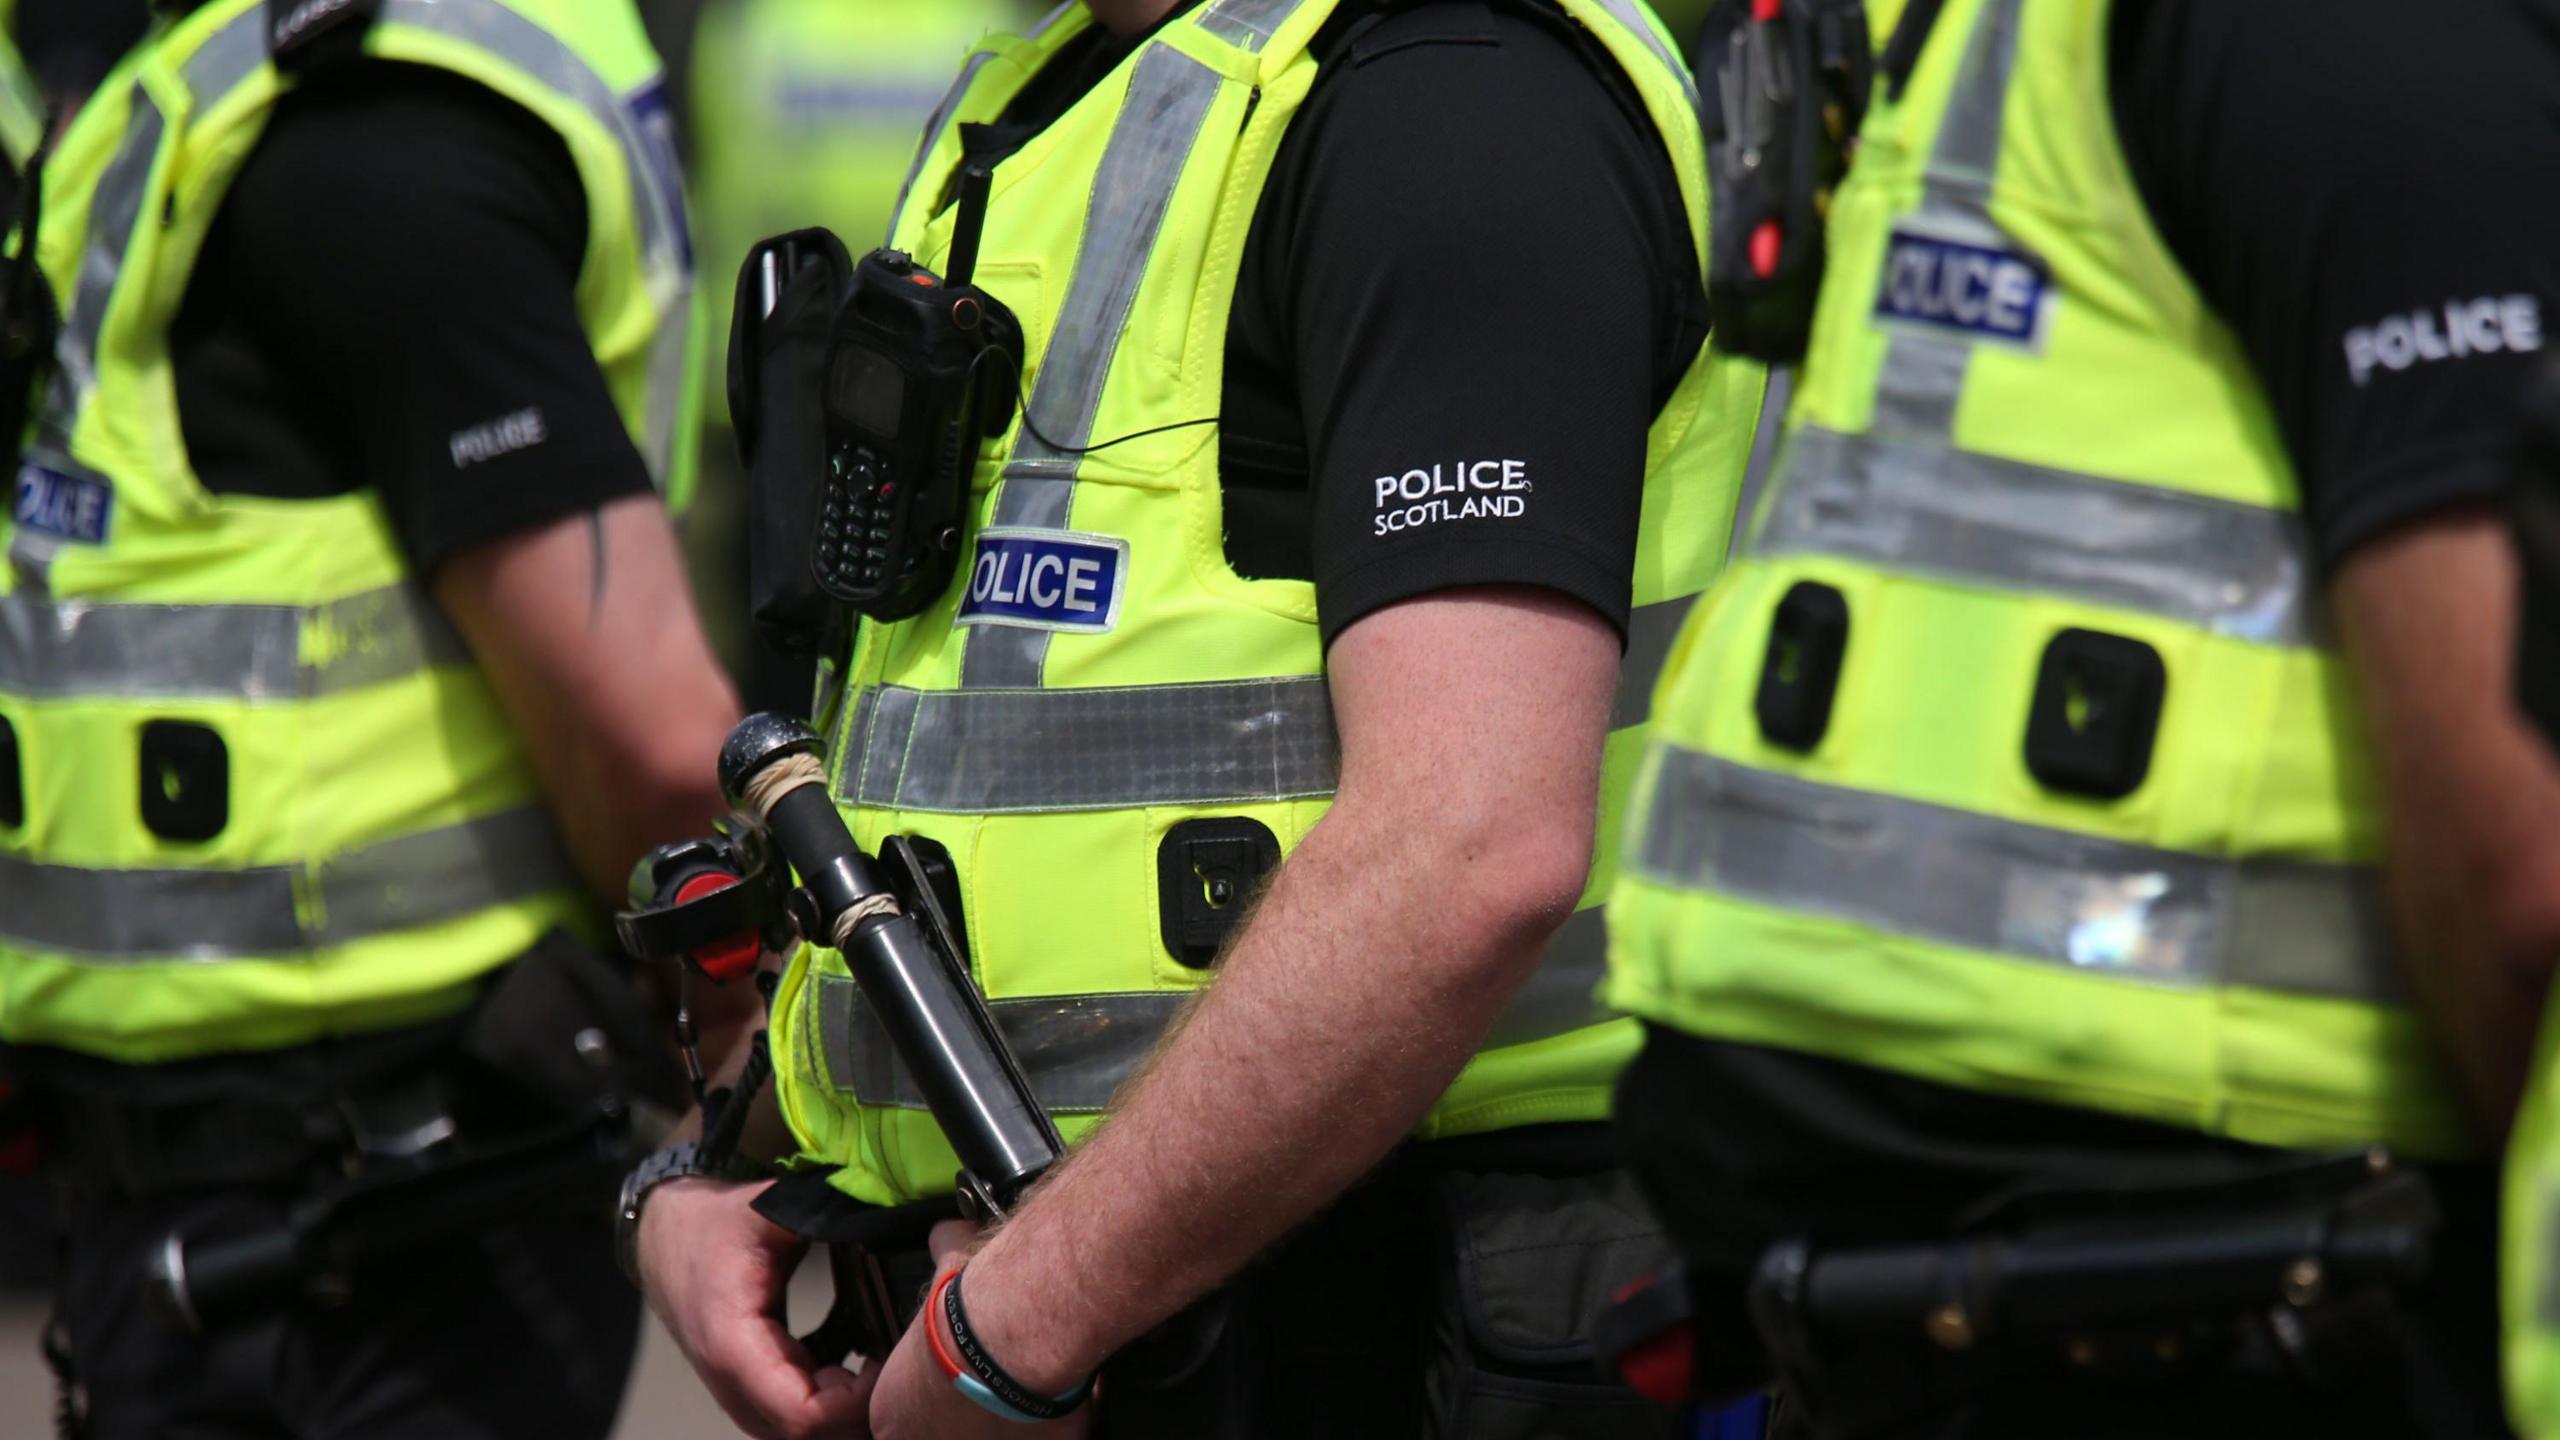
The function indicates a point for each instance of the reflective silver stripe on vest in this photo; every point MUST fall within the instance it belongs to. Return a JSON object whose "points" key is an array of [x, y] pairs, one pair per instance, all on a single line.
{"points": [[1651, 630], [114, 209], [2237, 570], [983, 752], [1160, 121], [1563, 994], [142, 916], [220, 652], [1078, 1050], [932, 132], [977, 752], [2027, 892], [1640, 24], [1923, 372], [1248, 24], [1075, 1049]]}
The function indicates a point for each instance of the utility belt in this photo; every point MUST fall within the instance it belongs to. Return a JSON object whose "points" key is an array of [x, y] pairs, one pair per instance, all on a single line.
{"points": [[2299, 1274], [1450, 1294], [533, 1099]]}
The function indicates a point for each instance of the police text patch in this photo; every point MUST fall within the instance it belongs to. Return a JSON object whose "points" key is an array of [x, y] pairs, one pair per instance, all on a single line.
{"points": [[66, 507], [1950, 285], [1046, 580]]}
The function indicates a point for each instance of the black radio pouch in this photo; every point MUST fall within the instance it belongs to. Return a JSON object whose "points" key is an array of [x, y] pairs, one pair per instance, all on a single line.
{"points": [[1790, 89], [788, 293]]}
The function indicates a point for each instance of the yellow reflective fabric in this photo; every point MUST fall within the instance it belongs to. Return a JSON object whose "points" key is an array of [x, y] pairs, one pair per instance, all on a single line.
{"points": [[21, 103], [1116, 237], [383, 844], [2529, 1246], [807, 112], [2071, 443]]}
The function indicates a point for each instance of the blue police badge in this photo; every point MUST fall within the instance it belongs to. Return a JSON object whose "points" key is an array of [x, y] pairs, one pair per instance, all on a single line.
{"points": [[1046, 580], [1990, 294], [67, 507]]}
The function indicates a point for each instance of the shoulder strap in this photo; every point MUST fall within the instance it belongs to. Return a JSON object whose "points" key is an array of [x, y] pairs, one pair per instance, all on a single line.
{"points": [[309, 35]]}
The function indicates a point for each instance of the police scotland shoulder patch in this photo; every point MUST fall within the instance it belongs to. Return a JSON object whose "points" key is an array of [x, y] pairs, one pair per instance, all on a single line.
{"points": [[1954, 286], [1046, 580]]}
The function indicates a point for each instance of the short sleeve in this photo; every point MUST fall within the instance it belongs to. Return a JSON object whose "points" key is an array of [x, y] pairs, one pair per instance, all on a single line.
{"points": [[408, 245], [1478, 253], [2368, 192]]}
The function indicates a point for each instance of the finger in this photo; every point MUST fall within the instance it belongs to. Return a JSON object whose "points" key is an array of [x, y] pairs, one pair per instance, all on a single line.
{"points": [[843, 1387], [950, 1241], [780, 1392]]}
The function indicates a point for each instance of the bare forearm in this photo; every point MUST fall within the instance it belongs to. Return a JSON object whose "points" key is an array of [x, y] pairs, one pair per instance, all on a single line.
{"points": [[1343, 1013], [2473, 795], [586, 629]]}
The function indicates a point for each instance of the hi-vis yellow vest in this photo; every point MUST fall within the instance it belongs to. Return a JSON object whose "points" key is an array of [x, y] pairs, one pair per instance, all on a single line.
{"points": [[805, 112], [252, 789], [1052, 762], [21, 103], [2018, 418]]}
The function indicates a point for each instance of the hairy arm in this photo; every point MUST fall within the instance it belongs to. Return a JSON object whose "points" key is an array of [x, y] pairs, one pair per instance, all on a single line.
{"points": [[1472, 724], [2472, 793]]}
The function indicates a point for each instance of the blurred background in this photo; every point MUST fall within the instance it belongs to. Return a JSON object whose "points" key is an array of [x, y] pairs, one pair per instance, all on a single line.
{"points": [[793, 113]]}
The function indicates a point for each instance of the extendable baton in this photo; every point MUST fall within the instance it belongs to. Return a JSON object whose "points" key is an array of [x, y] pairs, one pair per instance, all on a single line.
{"points": [[936, 1021]]}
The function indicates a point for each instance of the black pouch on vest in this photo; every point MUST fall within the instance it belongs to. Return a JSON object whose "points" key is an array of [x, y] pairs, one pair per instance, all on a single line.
{"points": [[788, 293], [1527, 1264]]}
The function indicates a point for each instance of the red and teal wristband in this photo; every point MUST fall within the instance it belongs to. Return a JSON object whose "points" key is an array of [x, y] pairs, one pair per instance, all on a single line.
{"points": [[976, 1374]]}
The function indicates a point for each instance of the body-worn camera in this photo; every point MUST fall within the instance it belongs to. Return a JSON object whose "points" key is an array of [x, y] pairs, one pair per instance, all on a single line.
{"points": [[921, 369]]}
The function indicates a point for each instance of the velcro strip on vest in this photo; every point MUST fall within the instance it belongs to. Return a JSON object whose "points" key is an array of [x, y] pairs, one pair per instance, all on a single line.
{"points": [[2100, 907]]}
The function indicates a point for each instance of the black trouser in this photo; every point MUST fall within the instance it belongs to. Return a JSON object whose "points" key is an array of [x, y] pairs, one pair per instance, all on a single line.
{"points": [[1740, 1147], [520, 1330], [1449, 1295], [525, 1327]]}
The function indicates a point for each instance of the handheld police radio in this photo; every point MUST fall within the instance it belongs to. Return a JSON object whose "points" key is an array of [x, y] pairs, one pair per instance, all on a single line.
{"points": [[860, 392], [908, 399]]}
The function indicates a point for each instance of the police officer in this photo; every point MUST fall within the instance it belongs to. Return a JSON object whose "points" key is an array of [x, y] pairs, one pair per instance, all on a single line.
{"points": [[345, 662], [2125, 625], [1371, 451]]}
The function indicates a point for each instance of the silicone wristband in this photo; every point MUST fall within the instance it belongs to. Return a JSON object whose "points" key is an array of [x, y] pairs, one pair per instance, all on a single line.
{"points": [[976, 1374]]}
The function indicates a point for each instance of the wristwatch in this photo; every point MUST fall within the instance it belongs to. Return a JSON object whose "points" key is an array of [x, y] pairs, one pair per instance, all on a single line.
{"points": [[680, 1161]]}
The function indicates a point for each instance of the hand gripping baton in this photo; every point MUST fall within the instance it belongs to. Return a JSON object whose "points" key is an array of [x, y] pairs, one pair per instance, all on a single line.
{"points": [[937, 1022]]}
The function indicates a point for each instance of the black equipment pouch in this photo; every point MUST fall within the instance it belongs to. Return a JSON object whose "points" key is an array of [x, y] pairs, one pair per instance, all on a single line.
{"points": [[1791, 90], [564, 1028], [2297, 1272], [788, 292], [1526, 1265]]}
